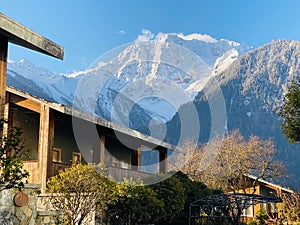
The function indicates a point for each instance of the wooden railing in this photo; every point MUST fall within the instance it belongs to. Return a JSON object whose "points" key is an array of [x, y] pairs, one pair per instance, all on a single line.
{"points": [[115, 173], [118, 174]]}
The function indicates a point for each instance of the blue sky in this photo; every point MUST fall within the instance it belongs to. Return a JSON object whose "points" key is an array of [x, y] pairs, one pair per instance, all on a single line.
{"points": [[87, 29]]}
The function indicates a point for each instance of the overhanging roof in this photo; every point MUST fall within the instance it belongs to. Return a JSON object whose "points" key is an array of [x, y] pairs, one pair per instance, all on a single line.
{"points": [[18, 34], [96, 120], [275, 186]]}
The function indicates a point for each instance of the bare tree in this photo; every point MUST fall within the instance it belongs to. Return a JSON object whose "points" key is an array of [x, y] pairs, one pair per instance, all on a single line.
{"points": [[291, 202], [188, 160], [224, 163], [227, 162]]}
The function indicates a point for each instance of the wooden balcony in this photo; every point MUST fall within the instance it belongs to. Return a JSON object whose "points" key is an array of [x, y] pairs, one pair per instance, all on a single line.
{"points": [[115, 173]]}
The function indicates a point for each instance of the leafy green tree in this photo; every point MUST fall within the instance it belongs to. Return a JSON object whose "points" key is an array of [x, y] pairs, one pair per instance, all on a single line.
{"points": [[11, 158], [290, 112], [134, 204], [80, 190], [172, 193]]}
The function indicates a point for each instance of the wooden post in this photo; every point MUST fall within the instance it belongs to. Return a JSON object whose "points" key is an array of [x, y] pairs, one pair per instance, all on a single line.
{"points": [[3, 68], [7, 116], [163, 160], [138, 158], [102, 149], [50, 144], [43, 153]]}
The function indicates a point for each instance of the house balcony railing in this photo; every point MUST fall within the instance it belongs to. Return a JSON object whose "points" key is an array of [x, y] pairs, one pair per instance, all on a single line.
{"points": [[118, 174], [115, 173]]}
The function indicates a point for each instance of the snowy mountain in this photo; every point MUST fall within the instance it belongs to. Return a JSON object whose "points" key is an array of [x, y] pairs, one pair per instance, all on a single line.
{"points": [[253, 87], [135, 84]]}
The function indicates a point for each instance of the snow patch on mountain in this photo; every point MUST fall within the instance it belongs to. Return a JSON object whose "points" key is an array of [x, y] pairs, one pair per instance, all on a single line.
{"points": [[223, 62], [199, 37]]}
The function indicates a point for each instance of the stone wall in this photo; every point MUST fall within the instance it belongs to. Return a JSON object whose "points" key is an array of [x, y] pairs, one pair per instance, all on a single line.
{"points": [[36, 211], [50, 218], [10, 214], [30, 213]]}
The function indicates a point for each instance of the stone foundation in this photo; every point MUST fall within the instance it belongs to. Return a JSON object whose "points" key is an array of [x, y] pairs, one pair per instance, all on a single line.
{"points": [[10, 214]]}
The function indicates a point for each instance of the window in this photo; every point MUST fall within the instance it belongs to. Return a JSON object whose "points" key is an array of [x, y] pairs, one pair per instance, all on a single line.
{"points": [[76, 158], [56, 155], [248, 211], [149, 160]]}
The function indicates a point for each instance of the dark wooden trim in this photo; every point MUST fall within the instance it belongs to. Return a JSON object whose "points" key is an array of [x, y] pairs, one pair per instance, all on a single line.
{"points": [[102, 149], [163, 160], [136, 158], [50, 143]]}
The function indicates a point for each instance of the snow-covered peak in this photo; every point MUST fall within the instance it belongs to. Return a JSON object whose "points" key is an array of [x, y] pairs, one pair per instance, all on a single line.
{"points": [[30, 71]]}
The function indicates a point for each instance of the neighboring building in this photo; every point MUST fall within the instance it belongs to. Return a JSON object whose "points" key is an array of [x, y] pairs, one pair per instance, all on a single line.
{"points": [[258, 195], [48, 130], [266, 189]]}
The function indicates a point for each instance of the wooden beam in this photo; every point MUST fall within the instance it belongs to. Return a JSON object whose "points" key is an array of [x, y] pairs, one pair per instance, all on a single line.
{"points": [[3, 68], [26, 103], [20, 35], [43, 155]]}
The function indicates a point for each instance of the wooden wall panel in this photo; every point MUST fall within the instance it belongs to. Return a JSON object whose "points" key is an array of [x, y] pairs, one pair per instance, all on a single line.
{"points": [[34, 172]]}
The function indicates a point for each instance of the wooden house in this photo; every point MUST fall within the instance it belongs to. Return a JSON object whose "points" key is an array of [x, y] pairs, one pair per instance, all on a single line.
{"points": [[60, 135]]}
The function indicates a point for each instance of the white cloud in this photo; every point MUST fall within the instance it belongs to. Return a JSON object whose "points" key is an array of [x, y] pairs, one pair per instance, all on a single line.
{"points": [[121, 32], [146, 35]]}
